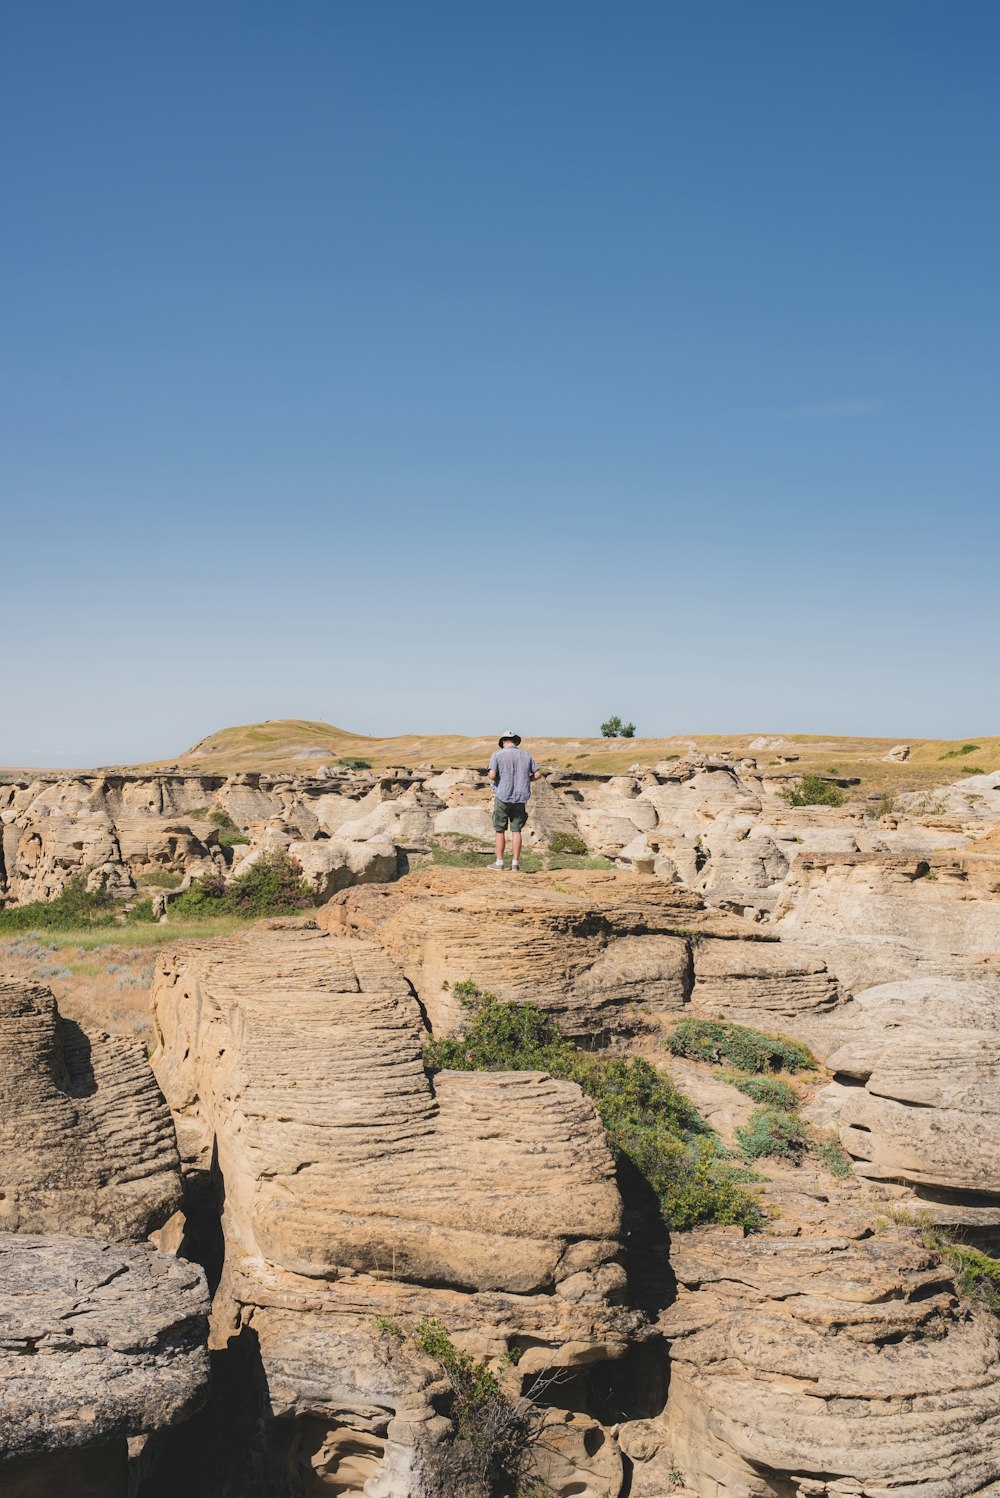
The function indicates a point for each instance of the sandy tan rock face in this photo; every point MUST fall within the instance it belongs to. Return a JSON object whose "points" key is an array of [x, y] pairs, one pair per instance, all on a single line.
{"points": [[98, 1342], [915, 1094], [607, 954], [822, 1364], [356, 1186], [883, 918], [86, 1141]]}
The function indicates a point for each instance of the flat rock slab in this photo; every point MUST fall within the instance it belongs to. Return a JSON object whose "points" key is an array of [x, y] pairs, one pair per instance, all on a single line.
{"points": [[98, 1341]]}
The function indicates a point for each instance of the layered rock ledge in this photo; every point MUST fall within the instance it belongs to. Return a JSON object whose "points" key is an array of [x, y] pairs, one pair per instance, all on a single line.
{"points": [[607, 954], [828, 1363]]}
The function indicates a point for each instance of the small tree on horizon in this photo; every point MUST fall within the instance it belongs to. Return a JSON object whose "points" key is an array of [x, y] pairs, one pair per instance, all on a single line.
{"points": [[614, 728]]}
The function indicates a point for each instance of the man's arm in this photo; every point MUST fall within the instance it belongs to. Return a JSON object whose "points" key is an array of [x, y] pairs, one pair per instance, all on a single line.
{"points": [[536, 773], [492, 771]]}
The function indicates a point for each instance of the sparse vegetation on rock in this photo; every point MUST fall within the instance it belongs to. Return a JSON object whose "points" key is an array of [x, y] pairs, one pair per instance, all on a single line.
{"points": [[647, 1119], [568, 842], [812, 790], [747, 1049]]}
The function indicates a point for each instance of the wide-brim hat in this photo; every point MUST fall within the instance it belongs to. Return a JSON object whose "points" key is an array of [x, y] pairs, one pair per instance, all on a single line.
{"points": [[504, 737]]}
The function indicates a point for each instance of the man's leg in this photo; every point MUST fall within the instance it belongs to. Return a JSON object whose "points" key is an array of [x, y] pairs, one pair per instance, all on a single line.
{"points": [[515, 839], [502, 843]]}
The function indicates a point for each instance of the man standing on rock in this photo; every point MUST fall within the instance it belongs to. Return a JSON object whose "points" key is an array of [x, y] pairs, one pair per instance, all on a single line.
{"points": [[512, 770]]}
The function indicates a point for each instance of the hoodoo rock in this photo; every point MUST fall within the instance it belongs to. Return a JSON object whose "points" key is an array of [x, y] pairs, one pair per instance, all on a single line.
{"points": [[98, 1342], [87, 1143], [356, 1187]]}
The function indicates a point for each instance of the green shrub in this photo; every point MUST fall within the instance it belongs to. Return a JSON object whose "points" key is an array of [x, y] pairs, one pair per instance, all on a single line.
{"points": [[568, 842], [354, 764], [497, 1428], [718, 1040], [769, 1131], [885, 806], [203, 897], [960, 753], [220, 816], [160, 879], [76, 906], [812, 790], [830, 1155], [273, 885], [648, 1121], [142, 911], [770, 1090], [977, 1274], [230, 832]]}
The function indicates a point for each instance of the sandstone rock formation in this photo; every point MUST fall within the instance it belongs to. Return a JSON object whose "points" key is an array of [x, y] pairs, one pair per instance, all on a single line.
{"points": [[881, 918], [916, 1065], [607, 954], [98, 1342], [717, 825], [354, 1187], [338, 1194], [86, 1141], [828, 1362]]}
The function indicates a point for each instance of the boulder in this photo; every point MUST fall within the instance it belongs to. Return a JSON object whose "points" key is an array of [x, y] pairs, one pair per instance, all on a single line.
{"points": [[98, 1342], [916, 1066], [331, 865]]}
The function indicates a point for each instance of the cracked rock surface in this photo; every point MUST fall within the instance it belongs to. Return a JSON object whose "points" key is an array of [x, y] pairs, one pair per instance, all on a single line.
{"points": [[97, 1341]]}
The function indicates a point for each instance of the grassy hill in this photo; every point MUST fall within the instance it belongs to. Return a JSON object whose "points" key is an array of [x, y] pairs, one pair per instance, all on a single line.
{"points": [[297, 745]]}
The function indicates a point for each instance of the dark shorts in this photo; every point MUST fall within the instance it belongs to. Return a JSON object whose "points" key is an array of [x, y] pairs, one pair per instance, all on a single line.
{"points": [[514, 812]]}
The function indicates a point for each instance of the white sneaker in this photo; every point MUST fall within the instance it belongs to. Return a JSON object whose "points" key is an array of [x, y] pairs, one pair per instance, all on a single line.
{"points": [[499, 866], [515, 865]]}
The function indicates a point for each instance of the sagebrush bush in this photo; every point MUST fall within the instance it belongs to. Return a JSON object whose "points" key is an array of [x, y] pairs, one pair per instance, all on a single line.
{"points": [[749, 1050], [230, 832], [272, 885], [498, 1428], [76, 906], [770, 1131], [977, 1275], [812, 790], [770, 1090], [830, 1155], [568, 842], [647, 1119]]}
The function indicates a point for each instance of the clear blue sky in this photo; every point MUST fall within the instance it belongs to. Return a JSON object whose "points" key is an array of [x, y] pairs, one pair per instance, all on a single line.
{"points": [[443, 366]]}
